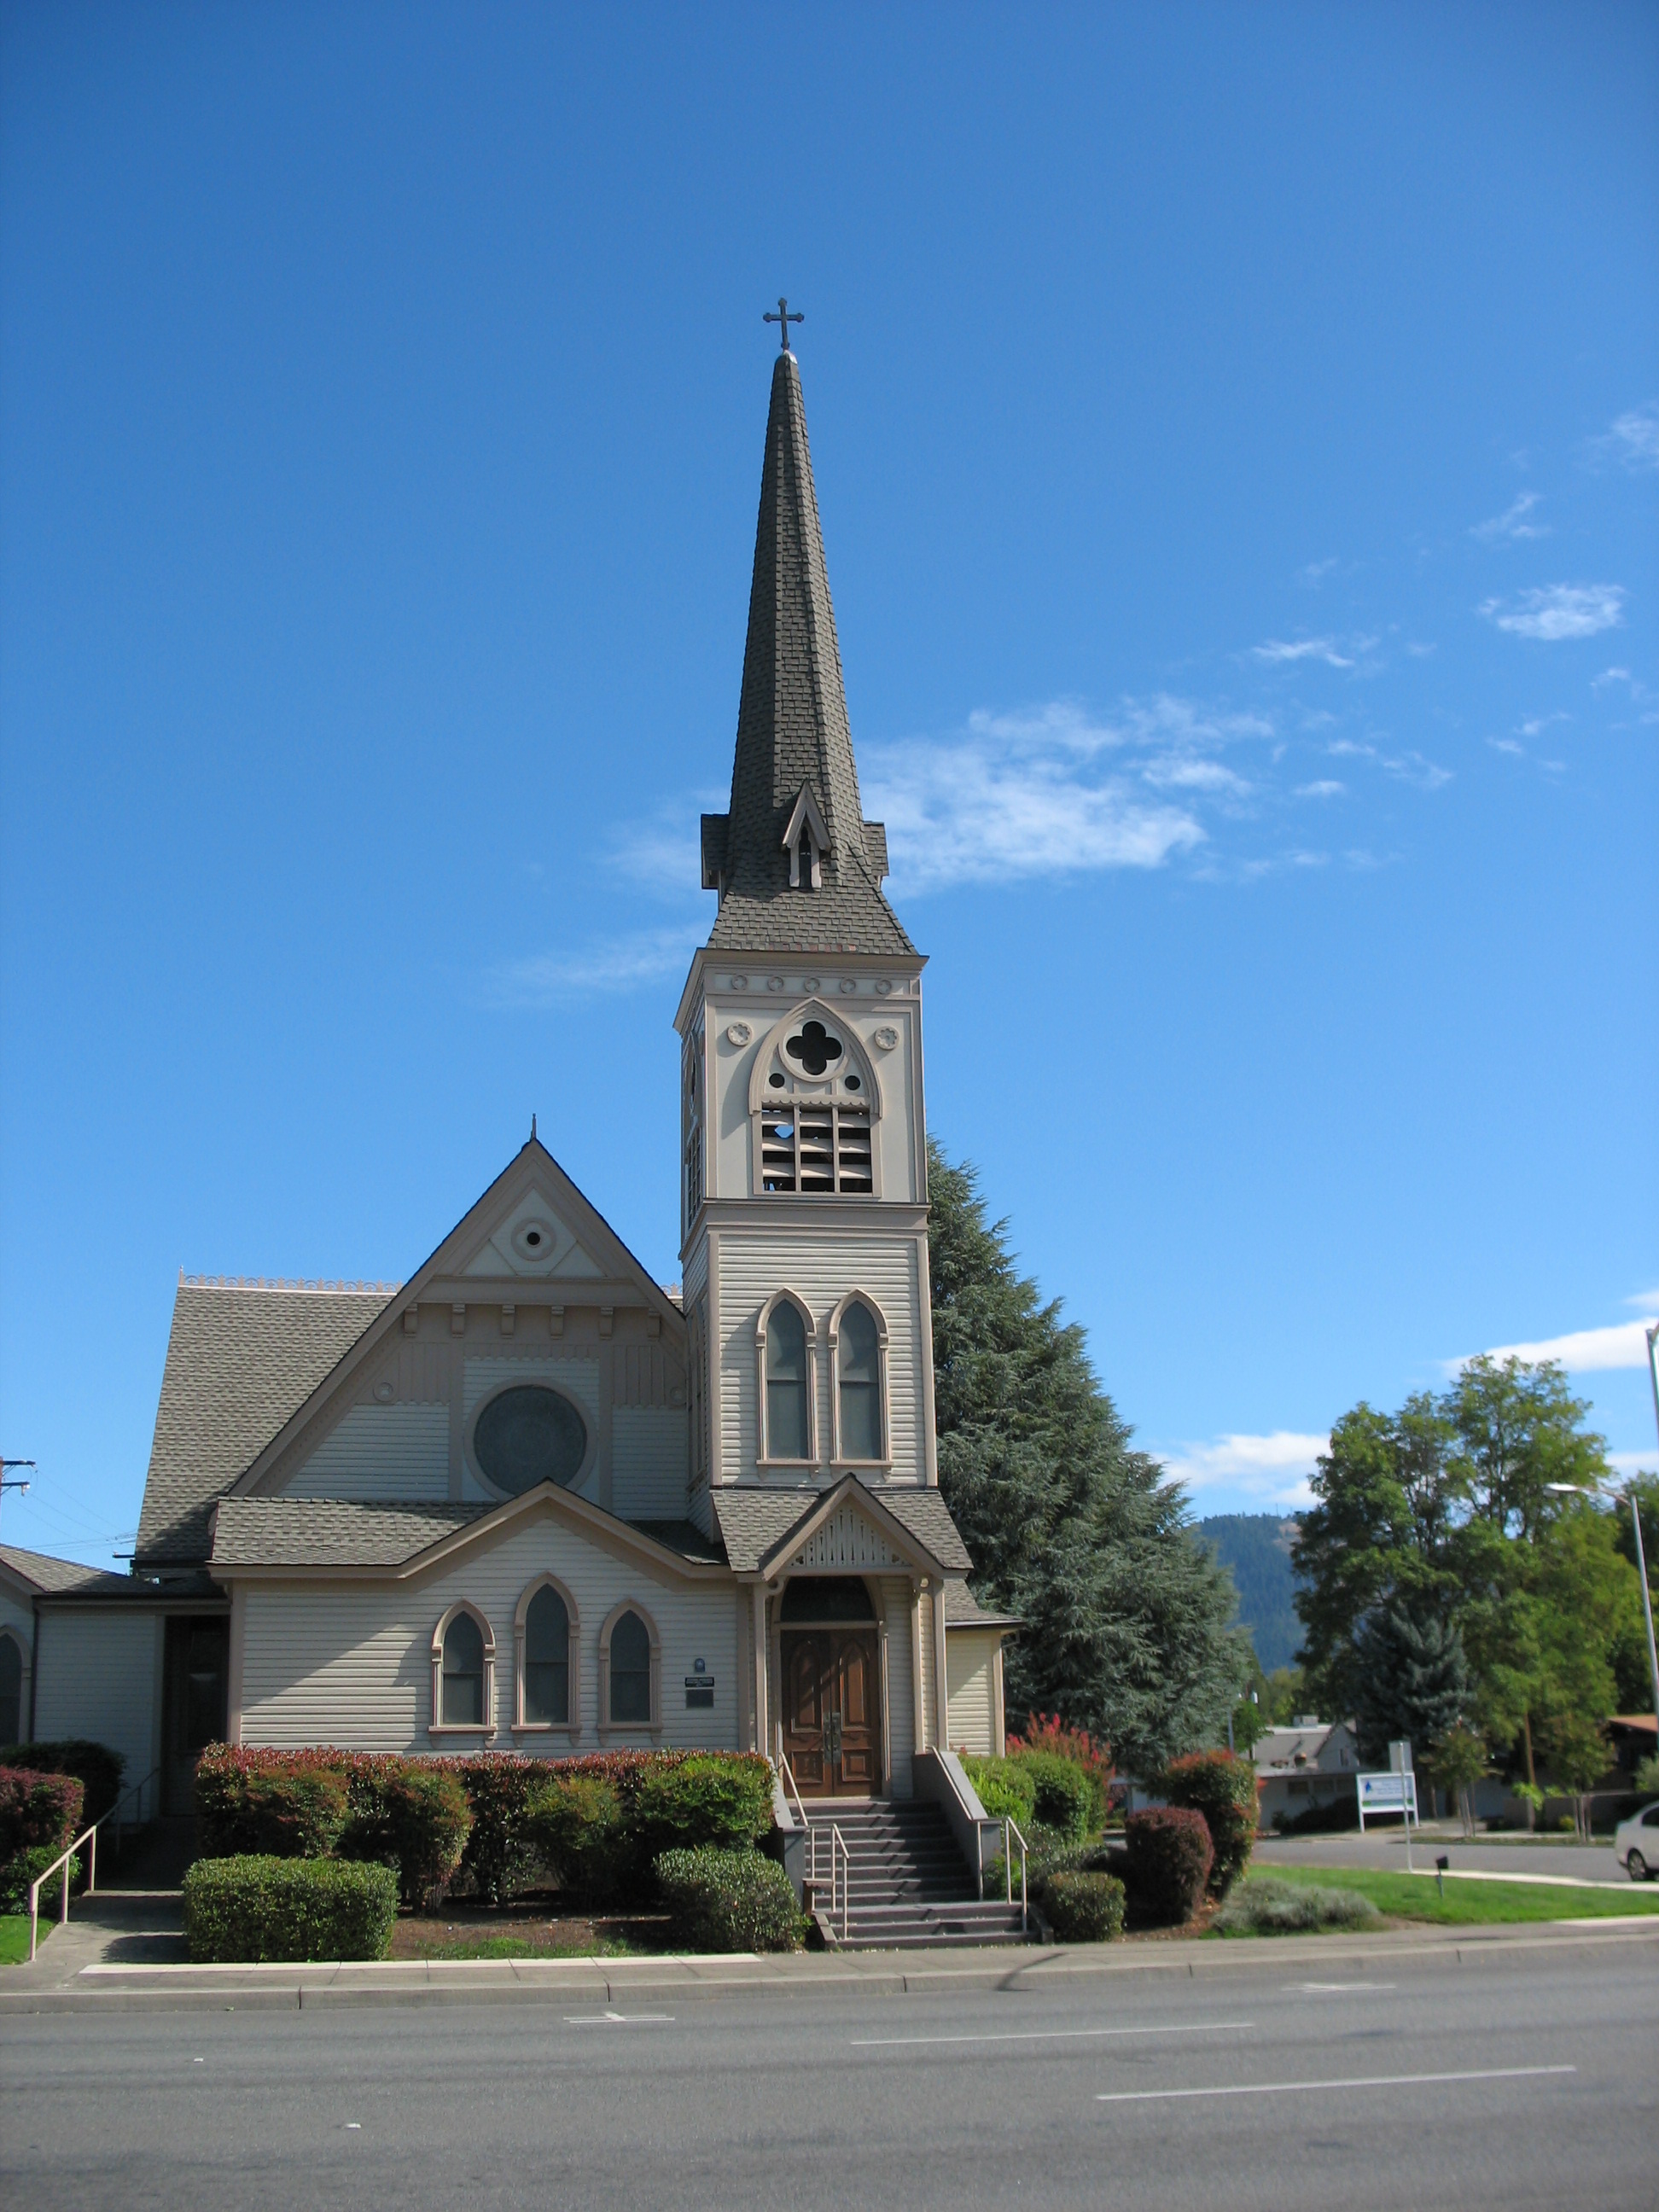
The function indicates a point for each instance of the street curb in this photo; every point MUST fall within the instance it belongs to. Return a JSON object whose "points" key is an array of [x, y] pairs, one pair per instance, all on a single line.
{"points": [[614, 1981]]}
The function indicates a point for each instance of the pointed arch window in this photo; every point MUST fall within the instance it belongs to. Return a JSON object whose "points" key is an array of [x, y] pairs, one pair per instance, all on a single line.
{"points": [[788, 1377], [858, 1350], [547, 1633], [630, 1670], [464, 1672]]}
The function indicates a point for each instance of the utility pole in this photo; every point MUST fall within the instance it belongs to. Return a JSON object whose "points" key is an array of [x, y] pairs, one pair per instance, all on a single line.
{"points": [[21, 1487]]}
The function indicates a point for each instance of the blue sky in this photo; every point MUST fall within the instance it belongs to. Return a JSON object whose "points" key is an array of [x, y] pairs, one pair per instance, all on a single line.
{"points": [[1238, 438]]}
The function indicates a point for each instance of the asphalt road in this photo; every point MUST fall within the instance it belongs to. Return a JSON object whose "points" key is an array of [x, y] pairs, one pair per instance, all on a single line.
{"points": [[1557, 1859], [1519, 2078]]}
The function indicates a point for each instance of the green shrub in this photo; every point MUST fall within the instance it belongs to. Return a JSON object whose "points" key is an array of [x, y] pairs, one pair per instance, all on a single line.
{"points": [[1262, 1906], [94, 1766], [705, 1799], [1005, 1788], [1168, 1854], [729, 1900], [38, 1807], [251, 1909], [296, 1816], [576, 1823], [427, 1821], [29, 1864], [1645, 1781], [1223, 1789], [238, 1792], [1083, 1908], [499, 1859], [1065, 1797], [1047, 1732]]}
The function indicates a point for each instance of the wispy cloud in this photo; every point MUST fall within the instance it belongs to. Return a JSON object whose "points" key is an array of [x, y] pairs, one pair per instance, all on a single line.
{"points": [[1410, 767], [1314, 573], [1507, 746], [1512, 525], [1560, 610], [1278, 651], [1326, 787], [1582, 1351], [1274, 1469], [1054, 791], [605, 964], [1634, 437]]}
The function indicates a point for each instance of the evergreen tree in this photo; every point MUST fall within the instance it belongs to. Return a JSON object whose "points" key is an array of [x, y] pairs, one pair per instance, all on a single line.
{"points": [[1125, 1616], [1414, 1681]]}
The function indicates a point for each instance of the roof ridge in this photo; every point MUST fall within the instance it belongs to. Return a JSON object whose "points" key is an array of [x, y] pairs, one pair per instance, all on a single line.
{"points": [[340, 1288]]}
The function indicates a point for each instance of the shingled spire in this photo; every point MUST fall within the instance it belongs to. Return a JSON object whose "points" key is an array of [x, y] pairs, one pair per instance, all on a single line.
{"points": [[797, 866]]}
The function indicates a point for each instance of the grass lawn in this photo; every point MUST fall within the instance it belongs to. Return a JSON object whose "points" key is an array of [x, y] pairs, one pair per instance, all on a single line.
{"points": [[15, 1936], [1466, 1903]]}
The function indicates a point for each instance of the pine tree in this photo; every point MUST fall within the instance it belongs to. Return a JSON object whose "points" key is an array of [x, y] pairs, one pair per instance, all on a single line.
{"points": [[1414, 1681], [1126, 1615]]}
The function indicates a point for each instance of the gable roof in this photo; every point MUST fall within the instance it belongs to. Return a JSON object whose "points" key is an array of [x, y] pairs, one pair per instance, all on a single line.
{"points": [[793, 738], [756, 1523], [45, 1575], [240, 1358]]}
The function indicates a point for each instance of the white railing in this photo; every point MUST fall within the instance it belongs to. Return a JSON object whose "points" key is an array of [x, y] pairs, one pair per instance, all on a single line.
{"points": [[840, 1875], [1010, 1835], [87, 1836]]}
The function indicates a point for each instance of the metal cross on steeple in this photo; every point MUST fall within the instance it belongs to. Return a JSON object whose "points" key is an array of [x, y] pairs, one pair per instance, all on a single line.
{"points": [[783, 319]]}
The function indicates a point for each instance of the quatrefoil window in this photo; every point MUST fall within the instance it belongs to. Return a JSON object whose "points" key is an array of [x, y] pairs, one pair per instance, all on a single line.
{"points": [[814, 1047]]}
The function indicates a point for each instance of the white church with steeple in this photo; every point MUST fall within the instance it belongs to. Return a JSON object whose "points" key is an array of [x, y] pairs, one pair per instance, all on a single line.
{"points": [[530, 1500]]}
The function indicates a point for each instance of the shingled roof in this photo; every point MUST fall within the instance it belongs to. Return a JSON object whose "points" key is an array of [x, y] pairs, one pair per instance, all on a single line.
{"points": [[53, 1576], [240, 1360], [793, 734], [753, 1520]]}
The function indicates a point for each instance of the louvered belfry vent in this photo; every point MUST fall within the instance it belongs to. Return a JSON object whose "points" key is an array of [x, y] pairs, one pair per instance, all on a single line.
{"points": [[817, 1148]]}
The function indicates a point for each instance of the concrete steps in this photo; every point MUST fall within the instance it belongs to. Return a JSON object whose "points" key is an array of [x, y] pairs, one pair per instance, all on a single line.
{"points": [[908, 1886]]}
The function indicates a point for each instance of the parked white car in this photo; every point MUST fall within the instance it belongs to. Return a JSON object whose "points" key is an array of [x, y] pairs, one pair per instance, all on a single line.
{"points": [[1636, 1845]]}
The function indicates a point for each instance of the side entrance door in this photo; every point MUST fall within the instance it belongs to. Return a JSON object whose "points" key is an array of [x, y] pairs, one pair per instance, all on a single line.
{"points": [[832, 1710], [195, 1681]]}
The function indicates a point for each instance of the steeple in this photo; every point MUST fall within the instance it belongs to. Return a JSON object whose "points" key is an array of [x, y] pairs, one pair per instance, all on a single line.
{"points": [[797, 866]]}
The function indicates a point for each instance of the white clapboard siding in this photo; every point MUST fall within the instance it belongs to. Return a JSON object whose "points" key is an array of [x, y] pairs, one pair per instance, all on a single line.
{"points": [[352, 1664], [970, 1655], [98, 1675], [901, 1694], [925, 1659], [820, 1272], [379, 1451], [648, 1462]]}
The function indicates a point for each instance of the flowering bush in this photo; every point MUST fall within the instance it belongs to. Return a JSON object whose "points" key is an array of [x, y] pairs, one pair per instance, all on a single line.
{"points": [[1223, 1789], [1048, 1733], [1169, 1859]]}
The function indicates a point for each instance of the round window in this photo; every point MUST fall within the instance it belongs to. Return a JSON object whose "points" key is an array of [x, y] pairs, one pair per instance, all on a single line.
{"points": [[529, 1435]]}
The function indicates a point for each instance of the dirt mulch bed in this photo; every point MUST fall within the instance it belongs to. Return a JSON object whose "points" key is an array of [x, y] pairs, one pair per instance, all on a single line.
{"points": [[524, 1931]]}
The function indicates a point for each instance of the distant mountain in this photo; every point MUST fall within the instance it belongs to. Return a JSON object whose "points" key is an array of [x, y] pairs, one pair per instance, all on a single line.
{"points": [[1257, 1547]]}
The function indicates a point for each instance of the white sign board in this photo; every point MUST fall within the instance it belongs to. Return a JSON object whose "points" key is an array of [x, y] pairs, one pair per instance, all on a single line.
{"points": [[1392, 1792]]}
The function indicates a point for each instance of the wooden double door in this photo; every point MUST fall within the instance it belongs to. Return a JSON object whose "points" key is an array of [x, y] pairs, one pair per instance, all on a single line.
{"points": [[832, 1710]]}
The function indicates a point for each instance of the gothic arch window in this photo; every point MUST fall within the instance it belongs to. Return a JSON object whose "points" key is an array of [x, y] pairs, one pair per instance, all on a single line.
{"points": [[14, 1688], [464, 1672], [691, 1120], [785, 1350], [547, 1641], [814, 1100], [858, 1363], [630, 1670]]}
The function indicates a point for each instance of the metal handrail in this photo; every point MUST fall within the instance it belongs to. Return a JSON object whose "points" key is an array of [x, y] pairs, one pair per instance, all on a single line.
{"points": [[87, 1834], [787, 1774], [838, 1843], [1010, 1831]]}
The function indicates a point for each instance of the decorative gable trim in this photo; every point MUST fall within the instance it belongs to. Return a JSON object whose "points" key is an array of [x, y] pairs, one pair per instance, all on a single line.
{"points": [[849, 1530]]}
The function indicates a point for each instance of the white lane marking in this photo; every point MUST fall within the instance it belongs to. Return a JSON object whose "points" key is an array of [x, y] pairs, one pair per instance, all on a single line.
{"points": [[353, 2127], [1050, 2034], [1353, 2082], [615, 2019], [1330, 1990]]}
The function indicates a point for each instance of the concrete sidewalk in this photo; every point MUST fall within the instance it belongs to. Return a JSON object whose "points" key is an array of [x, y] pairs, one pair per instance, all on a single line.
{"points": [[594, 1987]]}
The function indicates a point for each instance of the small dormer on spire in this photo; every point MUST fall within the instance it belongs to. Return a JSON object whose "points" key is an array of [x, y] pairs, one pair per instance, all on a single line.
{"points": [[806, 838]]}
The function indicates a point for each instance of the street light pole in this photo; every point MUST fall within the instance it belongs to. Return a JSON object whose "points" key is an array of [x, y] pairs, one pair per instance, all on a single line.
{"points": [[1628, 1498]]}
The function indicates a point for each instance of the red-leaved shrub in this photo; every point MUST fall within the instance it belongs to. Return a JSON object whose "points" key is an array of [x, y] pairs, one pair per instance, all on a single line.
{"points": [[1221, 1787], [37, 1810], [1170, 1856]]}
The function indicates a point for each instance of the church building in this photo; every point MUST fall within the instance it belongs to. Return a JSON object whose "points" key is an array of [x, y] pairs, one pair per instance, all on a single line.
{"points": [[530, 1500]]}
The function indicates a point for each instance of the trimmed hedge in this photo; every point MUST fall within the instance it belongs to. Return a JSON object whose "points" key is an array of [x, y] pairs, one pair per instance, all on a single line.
{"points": [[576, 1823], [38, 1807], [730, 1900], [1005, 1788], [1169, 1859], [1083, 1908], [297, 1816], [1064, 1796], [28, 1867], [94, 1766], [1223, 1789], [252, 1909]]}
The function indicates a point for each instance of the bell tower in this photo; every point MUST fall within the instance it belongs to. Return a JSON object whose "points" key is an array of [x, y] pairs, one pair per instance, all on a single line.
{"points": [[804, 1194]]}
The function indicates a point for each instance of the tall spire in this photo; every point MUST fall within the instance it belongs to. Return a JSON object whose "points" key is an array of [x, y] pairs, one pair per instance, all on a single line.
{"points": [[797, 866]]}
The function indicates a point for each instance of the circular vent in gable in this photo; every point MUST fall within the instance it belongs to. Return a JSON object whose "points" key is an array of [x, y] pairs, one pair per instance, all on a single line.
{"points": [[535, 1240]]}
